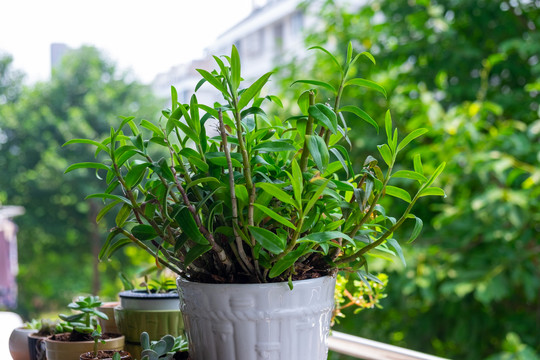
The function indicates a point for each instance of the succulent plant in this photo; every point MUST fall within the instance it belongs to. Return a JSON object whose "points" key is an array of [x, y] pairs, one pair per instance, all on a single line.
{"points": [[161, 349]]}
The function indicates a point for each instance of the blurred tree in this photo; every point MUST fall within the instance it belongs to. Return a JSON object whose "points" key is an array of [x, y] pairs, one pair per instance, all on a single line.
{"points": [[10, 80], [58, 236], [469, 71]]}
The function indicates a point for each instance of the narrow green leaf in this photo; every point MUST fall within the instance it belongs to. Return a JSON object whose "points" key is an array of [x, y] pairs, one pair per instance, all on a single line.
{"points": [[432, 191], [288, 260], [276, 192], [253, 90], [322, 237], [235, 68], [349, 53], [332, 57], [157, 131], [269, 212], [398, 192], [106, 209], [318, 151], [144, 232], [418, 164], [268, 240], [361, 114], [413, 135], [397, 247], [388, 125], [416, 230], [174, 98], [123, 215], [322, 84], [437, 172], [315, 197], [385, 153], [87, 141], [367, 84], [213, 81], [323, 114], [187, 224], [201, 181], [195, 252], [108, 241], [87, 165], [303, 102], [275, 146], [201, 165], [135, 175], [109, 196], [297, 182], [406, 174]]}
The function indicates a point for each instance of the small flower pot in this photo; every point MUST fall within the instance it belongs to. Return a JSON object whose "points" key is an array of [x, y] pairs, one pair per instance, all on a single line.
{"points": [[108, 326], [18, 343], [36, 347], [72, 350]]}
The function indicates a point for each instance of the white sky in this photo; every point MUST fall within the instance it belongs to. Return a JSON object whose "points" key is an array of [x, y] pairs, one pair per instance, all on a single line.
{"points": [[147, 36]]}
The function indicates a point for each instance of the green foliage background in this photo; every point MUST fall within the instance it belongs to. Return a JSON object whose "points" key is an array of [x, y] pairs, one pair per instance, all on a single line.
{"points": [[58, 236], [470, 71]]}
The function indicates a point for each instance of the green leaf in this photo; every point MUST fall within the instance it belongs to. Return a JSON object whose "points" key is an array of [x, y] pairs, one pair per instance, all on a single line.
{"points": [[437, 172], [109, 196], [123, 215], [144, 232], [413, 135], [406, 174], [268, 240], [213, 81], [332, 57], [367, 84], [322, 84], [106, 209], [275, 146], [269, 212], [187, 224], [303, 102], [361, 114], [297, 182], [322, 237], [276, 192], [315, 197], [397, 247], [418, 168], [388, 125], [432, 191], [87, 141], [87, 165], [195, 252], [174, 98], [398, 192], [202, 180], [288, 261], [235, 68], [157, 131], [135, 175], [318, 151], [416, 230], [253, 90], [324, 115], [201, 165], [385, 153]]}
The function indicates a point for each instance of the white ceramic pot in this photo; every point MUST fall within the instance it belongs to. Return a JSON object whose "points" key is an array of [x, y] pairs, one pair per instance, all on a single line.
{"points": [[257, 321], [18, 343]]}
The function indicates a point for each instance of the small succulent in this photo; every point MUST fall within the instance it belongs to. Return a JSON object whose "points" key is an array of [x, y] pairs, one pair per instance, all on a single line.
{"points": [[162, 349]]}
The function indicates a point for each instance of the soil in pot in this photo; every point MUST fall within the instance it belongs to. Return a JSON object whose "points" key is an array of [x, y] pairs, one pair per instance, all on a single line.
{"points": [[75, 336], [105, 355], [181, 355]]}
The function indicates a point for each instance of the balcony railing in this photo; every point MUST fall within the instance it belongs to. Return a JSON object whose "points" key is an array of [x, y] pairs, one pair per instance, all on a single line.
{"points": [[372, 350]]}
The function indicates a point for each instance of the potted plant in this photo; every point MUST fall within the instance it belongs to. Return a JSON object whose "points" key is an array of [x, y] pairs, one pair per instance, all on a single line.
{"points": [[18, 340], [153, 309], [96, 354], [74, 335], [36, 340], [257, 220]]}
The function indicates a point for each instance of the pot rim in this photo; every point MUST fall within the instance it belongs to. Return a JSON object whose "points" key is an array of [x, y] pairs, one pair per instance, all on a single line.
{"points": [[48, 339], [143, 295], [304, 282]]}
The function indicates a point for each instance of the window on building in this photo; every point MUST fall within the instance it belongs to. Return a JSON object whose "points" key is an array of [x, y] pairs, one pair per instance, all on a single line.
{"points": [[297, 22], [255, 43], [278, 36]]}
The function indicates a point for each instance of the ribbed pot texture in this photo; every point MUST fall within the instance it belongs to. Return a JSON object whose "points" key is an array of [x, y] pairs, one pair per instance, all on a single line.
{"points": [[257, 321]]}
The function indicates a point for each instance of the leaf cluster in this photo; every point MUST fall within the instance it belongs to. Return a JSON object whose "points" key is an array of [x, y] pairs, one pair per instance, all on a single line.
{"points": [[267, 198], [85, 318]]}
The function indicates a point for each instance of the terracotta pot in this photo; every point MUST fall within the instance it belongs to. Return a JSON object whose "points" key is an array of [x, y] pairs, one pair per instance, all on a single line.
{"points": [[108, 326], [105, 355], [72, 350], [18, 343], [258, 321]]}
